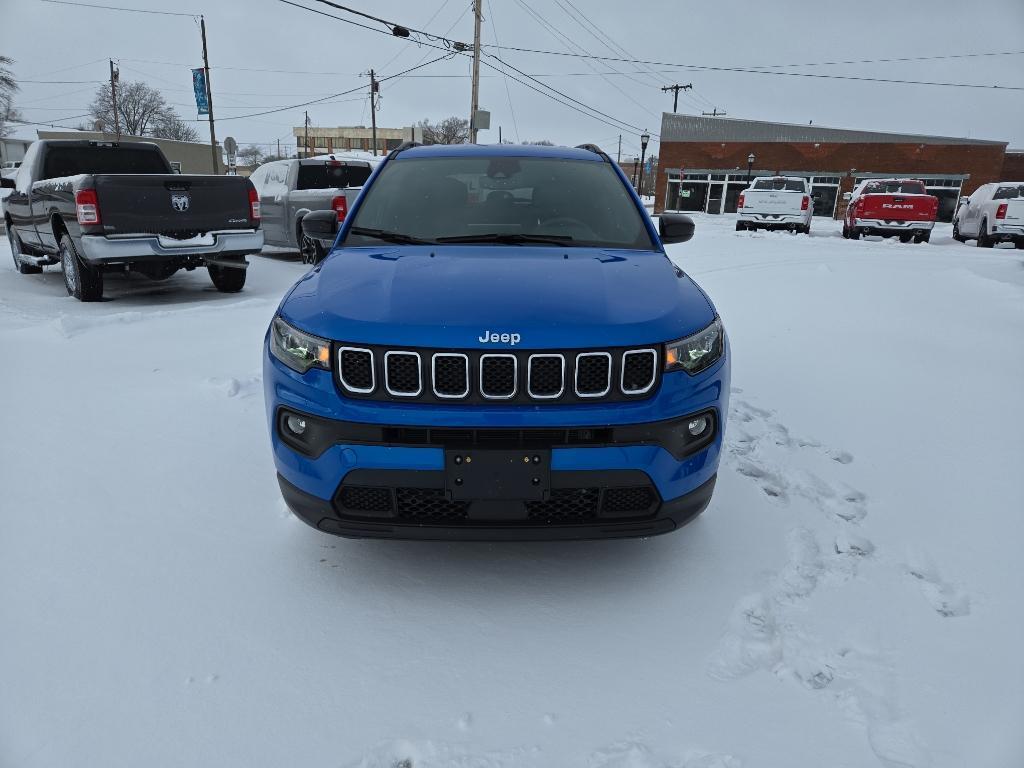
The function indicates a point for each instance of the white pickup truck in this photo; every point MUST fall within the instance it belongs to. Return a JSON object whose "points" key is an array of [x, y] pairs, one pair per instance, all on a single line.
{"points": [[775, 202], [993, 214]]}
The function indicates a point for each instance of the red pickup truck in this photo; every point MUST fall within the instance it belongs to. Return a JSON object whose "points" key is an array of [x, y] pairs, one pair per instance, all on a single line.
{"points": [[891, 207]]}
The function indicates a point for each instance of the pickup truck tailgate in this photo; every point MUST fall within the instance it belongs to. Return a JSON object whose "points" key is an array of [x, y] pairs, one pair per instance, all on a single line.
{"points": [[773, 201], [172, 204], [897, 207]]}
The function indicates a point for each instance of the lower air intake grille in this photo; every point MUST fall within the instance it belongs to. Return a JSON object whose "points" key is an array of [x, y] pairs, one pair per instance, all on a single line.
{"points": [[622, 501], [427, 505], [357, 498], [565, 505]]}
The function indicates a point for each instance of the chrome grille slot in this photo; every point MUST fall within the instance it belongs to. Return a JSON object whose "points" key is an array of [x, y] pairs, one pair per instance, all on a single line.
{"points": [[593, 374], [545, 376], [402, 374], [450, 373], [639, 371], [355, 369], [498, 376]]}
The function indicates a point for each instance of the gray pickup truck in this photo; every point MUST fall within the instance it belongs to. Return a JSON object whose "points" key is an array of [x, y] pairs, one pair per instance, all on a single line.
{"points": [[96, 207], [289, 189]]}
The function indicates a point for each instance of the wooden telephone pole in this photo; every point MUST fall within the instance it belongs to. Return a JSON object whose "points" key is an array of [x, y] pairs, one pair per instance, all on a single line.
{"points": [[115, 77], [675, 91], [374, 86], [475, 106], [209, 97]]}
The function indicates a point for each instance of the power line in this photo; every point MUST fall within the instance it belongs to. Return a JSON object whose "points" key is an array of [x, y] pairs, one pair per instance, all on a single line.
{"points": [[508, 92], [116, 8], [901, 58]]}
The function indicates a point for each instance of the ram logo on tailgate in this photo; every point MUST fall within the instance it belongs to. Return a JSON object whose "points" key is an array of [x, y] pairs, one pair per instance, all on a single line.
{"points": [[180, 202]]}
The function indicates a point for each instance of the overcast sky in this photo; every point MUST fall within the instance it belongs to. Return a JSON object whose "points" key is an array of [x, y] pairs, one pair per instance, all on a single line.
{"points": [[317, 56]]}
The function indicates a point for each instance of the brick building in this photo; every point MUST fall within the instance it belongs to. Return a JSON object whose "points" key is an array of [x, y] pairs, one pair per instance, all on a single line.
{"points": [[703, 162]]}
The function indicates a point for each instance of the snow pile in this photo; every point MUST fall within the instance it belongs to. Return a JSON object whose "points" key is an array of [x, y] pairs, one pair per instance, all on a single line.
{"points": [[850, 599]]}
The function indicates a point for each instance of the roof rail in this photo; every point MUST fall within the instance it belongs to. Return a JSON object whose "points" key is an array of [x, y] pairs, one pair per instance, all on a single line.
{"points": [[404, 146], [595, 149]]}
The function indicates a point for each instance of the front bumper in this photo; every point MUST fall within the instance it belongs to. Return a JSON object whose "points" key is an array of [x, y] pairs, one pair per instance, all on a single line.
{"points": [[589, 449], [98, 249]]}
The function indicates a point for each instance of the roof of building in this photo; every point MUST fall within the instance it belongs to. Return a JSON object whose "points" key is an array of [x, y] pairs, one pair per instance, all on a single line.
{"points": [[19, 132], [676, 127]]}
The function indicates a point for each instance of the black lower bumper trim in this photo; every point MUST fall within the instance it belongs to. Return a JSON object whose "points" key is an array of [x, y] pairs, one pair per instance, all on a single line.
{"points": [[673, 514]]}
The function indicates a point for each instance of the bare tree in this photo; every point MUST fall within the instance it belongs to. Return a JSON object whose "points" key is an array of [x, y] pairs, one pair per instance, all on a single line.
{"points": [[142, 110], [252, 156], [451, 130], [8, 87], [173, 127]]}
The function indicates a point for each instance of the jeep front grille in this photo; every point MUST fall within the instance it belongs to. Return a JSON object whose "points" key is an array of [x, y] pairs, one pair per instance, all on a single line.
{"points": [[508, 377]]}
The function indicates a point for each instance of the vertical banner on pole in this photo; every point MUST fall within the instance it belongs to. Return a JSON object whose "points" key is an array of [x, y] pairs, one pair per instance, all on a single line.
{"points": [[199, 86]]}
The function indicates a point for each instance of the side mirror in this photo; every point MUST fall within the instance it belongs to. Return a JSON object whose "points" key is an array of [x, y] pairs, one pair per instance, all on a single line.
{"points": [[320, 225], [6, 183], [847, 196], [964, 200], [675, 228]]}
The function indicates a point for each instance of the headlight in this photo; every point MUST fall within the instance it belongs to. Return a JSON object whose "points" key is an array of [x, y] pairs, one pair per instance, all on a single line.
{"points": [[697, 352], [298, 350]]}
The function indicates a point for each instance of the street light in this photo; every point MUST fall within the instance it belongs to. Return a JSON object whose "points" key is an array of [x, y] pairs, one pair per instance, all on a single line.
{"points": [[750, 164], [636, 163], [644, 138]]}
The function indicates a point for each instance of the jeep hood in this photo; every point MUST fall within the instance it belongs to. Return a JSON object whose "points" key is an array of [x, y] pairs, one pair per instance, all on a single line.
{"points": [[449, 296]]}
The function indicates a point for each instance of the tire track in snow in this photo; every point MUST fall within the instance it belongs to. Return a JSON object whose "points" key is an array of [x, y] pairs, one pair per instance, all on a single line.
{"points": [[764, 629]]}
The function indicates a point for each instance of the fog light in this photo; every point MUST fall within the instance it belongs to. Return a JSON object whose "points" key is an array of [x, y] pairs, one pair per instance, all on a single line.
{"points": [[296, 424], [698, 426]]}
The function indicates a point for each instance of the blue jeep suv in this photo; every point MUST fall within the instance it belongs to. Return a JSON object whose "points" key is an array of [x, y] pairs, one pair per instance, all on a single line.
{"points": [[497, 347]]}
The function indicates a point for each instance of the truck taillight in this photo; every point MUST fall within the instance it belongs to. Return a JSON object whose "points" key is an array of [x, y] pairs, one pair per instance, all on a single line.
{"points": [[340, 206], [254, 204], [1001, 211], [805, 203], [739, 201], [87, 207], [859, 207]]}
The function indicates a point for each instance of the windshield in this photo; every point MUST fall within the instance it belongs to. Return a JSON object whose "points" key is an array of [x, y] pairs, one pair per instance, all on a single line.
{"points": [[71, 161], [332, 174], [780, 185], [500, 200], [1009, 193], [894, 188]]}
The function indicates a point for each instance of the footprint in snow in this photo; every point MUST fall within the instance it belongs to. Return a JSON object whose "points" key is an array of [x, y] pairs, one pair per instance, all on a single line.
{"points": [[232, 387], [947, 599]]}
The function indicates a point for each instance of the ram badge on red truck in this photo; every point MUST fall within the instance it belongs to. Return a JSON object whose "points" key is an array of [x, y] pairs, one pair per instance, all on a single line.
{"points": [[891, 208], [96, 207]]}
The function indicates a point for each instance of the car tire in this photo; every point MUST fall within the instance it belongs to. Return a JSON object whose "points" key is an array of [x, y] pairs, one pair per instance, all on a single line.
{"points": [[956, 232], [227, 279], [854, 233], [313, 252], [83, 282], [906, 238], [16, 248], [926, 237], [739, 226], [984, 241]]}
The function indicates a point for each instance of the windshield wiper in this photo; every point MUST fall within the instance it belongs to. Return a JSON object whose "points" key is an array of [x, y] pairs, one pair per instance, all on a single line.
{"points": [[511, 238], [390, 237]]}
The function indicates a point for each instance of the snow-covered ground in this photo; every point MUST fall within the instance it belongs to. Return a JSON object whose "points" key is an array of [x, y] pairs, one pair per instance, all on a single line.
{"points": [[851, 598]]}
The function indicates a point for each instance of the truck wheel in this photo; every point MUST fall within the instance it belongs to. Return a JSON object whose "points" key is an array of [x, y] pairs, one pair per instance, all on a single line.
{"points": [[984, 241], [227, 279], [739, 226], [956, 232], [82, 281], [854, 233], [313, 252], [905, 238], [15, 241], [926, 237]]}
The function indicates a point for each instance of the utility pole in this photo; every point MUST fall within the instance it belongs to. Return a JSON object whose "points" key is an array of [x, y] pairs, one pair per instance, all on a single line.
{"points": [[675, 90], [209, 96], [713, 113], [499, 134], [307, 133], [115, 76], [373, 109], [278, 149], [476, 72], [618, 155]]}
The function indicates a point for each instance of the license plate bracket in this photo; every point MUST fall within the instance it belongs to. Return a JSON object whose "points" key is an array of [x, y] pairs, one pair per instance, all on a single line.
{"points": [[472, 474]]}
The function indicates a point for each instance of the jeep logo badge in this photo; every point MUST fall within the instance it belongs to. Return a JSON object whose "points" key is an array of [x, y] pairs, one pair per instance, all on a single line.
{"points": [[180, 202], [490, 337]]}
